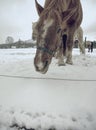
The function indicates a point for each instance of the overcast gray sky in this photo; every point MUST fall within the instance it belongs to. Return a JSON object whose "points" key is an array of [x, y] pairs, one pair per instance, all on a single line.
{"points": [[16, 17]]}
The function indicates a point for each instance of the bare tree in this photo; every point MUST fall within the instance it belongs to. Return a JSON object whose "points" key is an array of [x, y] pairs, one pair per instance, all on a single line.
{"points": [[9, 40]]}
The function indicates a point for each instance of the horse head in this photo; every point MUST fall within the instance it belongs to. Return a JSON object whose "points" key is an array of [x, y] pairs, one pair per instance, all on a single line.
{"points": [[48, 36]]}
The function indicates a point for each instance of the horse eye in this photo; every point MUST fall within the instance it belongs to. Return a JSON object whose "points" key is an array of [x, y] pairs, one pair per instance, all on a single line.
{"points": [[58, 30], [42, 31]]}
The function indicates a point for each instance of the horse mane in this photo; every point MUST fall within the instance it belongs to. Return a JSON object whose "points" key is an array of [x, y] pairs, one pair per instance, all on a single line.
{"points": [[65, 8], [60, 5]]}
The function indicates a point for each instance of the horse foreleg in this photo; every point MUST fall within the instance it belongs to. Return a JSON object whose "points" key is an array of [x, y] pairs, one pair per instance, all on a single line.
{"points": [[82, 48], [61, 61], [60, 57], [69, 47]]}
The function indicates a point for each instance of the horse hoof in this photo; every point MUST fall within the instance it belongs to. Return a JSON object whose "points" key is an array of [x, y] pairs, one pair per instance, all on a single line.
{"points": [[62, 64], [69, 62]]}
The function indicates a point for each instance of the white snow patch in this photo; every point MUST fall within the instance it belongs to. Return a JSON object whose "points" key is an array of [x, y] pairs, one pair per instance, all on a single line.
{"points": [[47, 103]]}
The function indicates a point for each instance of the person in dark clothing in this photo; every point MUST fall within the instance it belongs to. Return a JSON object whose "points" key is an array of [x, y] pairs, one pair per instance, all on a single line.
{"points": [[91, 47]]}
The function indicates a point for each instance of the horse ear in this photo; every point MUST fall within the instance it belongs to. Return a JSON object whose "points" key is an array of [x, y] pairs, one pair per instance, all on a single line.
{"points": [[39, 8]]}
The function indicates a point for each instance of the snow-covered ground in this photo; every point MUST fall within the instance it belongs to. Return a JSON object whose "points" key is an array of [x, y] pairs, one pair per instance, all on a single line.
{"points": [[62, 99]]}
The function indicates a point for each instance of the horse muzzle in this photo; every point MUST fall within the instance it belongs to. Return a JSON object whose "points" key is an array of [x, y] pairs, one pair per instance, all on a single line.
{"points": [[41, 67]]}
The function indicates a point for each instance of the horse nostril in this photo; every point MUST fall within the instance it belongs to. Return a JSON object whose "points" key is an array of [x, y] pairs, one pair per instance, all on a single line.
{"points": [[39, 66], [46, 63]]}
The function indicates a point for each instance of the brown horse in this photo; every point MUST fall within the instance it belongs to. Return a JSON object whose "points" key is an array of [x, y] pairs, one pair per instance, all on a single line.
{"points": [[57, 23]]}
